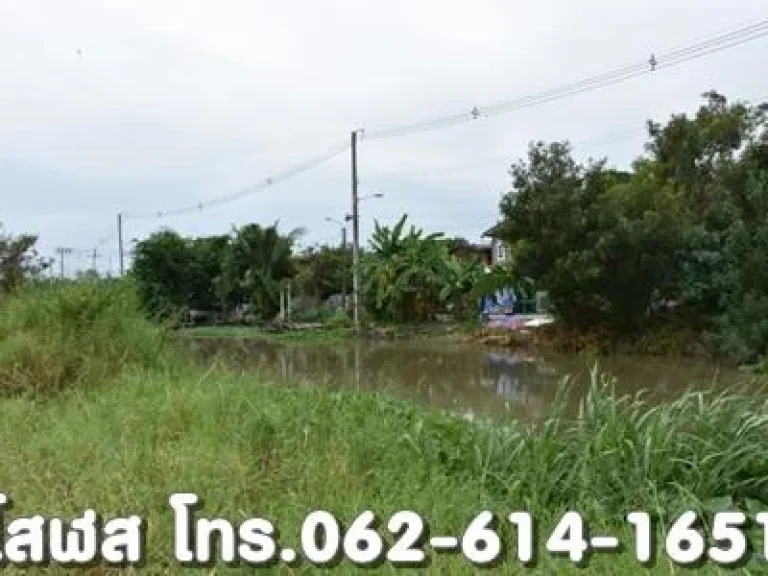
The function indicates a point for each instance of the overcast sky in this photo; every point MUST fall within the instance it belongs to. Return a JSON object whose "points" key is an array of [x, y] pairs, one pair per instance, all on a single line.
{"points": [[139, 105]]}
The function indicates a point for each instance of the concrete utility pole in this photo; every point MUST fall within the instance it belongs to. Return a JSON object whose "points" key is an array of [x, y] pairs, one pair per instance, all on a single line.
{"points": [[120, 239], [355, 240], [61, 252], [344, 276], [94, 255]]}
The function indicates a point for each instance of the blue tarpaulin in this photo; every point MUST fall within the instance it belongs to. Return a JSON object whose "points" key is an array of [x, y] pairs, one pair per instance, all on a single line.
{"points": [[504, 298]]}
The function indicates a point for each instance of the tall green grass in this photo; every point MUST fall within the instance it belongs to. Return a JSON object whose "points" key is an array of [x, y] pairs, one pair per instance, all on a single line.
{"points": [[73, 335], [159, 425], [250, 448]]}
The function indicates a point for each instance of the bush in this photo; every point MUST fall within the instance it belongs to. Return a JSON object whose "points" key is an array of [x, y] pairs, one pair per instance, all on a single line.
{"points": [[340, 319], [311, 315], [70, 335]]}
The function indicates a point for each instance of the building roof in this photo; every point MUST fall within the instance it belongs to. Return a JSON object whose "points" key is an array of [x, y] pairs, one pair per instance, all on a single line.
{"points": [[494, 231], [470, 247]]}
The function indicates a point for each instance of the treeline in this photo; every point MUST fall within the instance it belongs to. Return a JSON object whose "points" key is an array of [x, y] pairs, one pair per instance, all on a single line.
{"points": [[683, 234], [19, 261], [214, 273], [407, 275], [687, 225]]}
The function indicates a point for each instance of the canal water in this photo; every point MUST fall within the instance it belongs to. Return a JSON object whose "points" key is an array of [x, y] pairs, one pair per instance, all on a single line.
{"points": [[463, 377]]}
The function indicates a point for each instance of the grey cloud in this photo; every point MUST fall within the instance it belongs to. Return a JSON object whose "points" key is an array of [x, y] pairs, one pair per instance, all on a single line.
{"points": [[171, 103]]}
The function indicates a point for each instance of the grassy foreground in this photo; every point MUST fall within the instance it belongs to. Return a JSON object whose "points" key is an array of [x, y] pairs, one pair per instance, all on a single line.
{"points": [[124, 442], [251, 449]]}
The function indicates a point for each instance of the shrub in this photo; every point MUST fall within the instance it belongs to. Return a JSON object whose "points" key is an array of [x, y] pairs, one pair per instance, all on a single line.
{"points": [[69, 335], [339, 319]]}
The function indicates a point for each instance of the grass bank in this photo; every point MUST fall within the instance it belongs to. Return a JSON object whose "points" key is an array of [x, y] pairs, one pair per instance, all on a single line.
{"points": [[56, 337], [331, 334], [672, 333], [309, 336], [123, 443], [252, 449]]}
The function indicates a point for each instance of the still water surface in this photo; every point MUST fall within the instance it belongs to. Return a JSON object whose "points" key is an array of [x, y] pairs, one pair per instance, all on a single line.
{"points": [[459, 376]]}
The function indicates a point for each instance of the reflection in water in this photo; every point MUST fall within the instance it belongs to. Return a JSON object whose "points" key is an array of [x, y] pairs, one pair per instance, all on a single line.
{"points": [[455, 376]]}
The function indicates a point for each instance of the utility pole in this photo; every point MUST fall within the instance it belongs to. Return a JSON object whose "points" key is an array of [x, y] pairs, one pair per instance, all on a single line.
{"points": [[94, 255], [120, 239], [344, 276], [61, 252], [355, 240]]}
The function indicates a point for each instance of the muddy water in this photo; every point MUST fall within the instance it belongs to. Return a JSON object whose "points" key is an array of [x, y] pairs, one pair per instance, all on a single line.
{"points": [[464, 377]]}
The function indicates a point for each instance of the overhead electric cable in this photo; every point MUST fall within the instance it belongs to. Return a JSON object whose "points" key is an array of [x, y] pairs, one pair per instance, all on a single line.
{"points": [[266, 183], [616, 136], [667, 59]]}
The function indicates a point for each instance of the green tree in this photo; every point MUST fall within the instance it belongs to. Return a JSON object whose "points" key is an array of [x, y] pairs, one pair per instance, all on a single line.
{"points": [[601, 243], [205, 272], [410, 276], [162, 268], [717, 162], [256, 261], [689, 222], [323, 271], [18, 260]]}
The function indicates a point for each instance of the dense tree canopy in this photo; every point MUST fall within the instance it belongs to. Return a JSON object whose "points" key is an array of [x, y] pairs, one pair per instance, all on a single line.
{"points": [[215, 272], [410, 275], [323, 271], [162, 266], [257, 260], [18, 260], [689, 222]]}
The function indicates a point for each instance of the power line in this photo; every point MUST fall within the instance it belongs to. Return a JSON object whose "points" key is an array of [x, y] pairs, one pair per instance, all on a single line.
{"points": [[668, 59], [741, 35], [266, 183], [104, 238], [615, 136]]}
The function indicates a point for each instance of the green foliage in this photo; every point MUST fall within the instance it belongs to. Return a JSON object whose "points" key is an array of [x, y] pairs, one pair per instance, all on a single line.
{"points": [[410, 276], [18, 261], [210, 273], [323, 271], [601, 244], [330, 318], [163, 268], [338, 320], [205, 271], [258, 260], [282, 451], [689, 223], [504, 275], [74, 335]]}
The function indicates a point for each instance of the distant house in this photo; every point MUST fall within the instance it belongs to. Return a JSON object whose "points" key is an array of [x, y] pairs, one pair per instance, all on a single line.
{"points": [[500, 253], [499, 248], [483, 252]]}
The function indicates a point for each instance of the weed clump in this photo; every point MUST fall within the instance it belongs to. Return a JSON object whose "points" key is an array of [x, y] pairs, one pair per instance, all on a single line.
{"points": [[54, 338]]}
